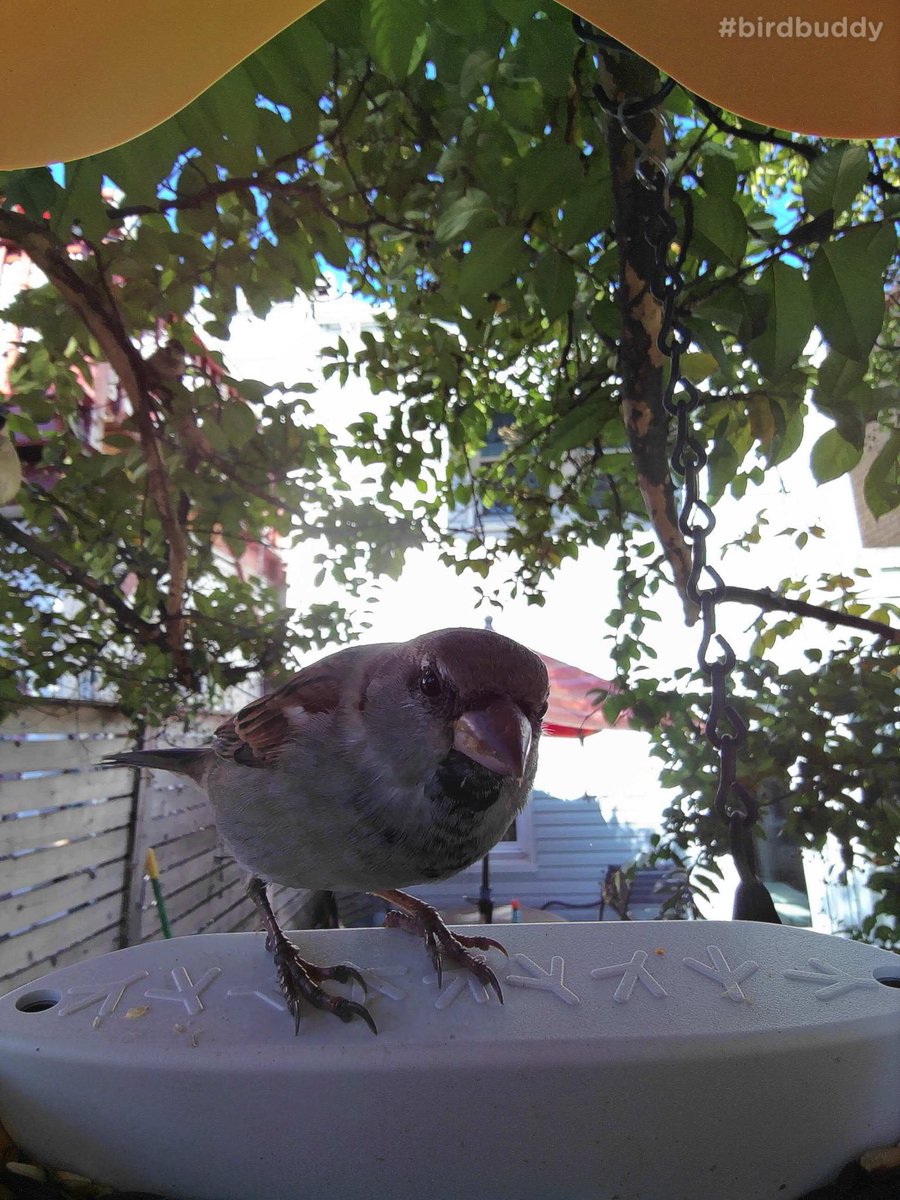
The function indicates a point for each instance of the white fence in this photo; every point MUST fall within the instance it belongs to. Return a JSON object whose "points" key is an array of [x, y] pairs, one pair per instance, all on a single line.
{"points": [[74, 836]]}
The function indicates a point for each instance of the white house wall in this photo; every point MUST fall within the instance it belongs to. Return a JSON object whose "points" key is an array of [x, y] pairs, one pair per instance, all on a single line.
{"points": [[573, 846]]}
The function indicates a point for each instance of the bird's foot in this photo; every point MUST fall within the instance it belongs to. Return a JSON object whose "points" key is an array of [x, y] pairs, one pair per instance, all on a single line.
{"points": [[300, 981], [442, 944]]}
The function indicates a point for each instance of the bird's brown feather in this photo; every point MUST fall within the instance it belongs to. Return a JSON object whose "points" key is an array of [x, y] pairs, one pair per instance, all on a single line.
{"points": [[257, 733]]}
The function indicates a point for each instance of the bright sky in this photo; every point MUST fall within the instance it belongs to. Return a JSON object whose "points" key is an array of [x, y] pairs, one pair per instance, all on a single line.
{"points": [[613, 765]]}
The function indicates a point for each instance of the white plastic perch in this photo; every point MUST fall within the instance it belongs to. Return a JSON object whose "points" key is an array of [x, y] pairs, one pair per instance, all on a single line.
{"points": [[637, 1059]]}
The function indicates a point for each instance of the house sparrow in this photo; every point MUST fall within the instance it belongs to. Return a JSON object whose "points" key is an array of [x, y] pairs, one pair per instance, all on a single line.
{"points": [[374, 769]]}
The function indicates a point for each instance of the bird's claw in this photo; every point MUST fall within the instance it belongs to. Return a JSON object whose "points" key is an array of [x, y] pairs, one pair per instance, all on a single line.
{"points": [[457, 949], [300, 981], [442, 943], [342, 973], [346, 1010], [484, 973], [481, 943]]}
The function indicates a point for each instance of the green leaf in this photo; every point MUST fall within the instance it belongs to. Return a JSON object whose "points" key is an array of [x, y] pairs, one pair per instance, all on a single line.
{"points": [[723, 465], [82, 204], [832, 456], [299, 58], [577, 428], [835, 179], [34, 190], [720, 229], [546, 176], [238, 422], [231, 103], [788, 434], [554, 284], [845, 279], [465, 17], [587, 211], [727, 306], [788, 319], [514, 12], [697, 366], [705, 334], [494, 256], [478, 69], [838, 375], [548, 52], [395, 35], [326, 238], [466, 214], [310, 57], [879, 240], [881, 488], [520, 102], [138, 166], [850, 413], [719, 176]]}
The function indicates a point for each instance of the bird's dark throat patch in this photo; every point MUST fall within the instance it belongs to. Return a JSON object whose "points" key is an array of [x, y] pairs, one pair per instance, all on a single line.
{"points": [[465, 783]]}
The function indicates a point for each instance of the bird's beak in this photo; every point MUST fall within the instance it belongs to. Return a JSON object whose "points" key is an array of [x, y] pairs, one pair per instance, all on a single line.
{"points": [[498, 737]]}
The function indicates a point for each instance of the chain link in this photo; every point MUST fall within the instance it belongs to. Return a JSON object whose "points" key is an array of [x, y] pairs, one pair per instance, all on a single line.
{"points": [[725, 728]]}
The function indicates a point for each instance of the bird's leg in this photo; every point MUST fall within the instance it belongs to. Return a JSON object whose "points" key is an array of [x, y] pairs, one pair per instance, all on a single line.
{"points": [[300, 979], [417, 917]]}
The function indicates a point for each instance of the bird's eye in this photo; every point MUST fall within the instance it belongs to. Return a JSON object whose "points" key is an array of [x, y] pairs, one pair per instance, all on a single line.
{"points": [[429, 682]]}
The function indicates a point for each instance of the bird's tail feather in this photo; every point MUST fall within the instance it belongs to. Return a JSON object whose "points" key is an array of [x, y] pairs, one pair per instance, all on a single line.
{"points": [[183, 761]]}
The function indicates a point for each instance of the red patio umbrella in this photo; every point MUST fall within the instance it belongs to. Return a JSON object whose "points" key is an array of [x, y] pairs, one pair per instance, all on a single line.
{"points": [[576, 702]]}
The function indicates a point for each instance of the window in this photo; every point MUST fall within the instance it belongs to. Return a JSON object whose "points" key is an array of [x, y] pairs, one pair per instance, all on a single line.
{"points": [[515, 851]]}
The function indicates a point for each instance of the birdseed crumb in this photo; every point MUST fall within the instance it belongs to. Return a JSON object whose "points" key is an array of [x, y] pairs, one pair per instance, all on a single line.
{"points": [[885, 1158], [28, 1170]]}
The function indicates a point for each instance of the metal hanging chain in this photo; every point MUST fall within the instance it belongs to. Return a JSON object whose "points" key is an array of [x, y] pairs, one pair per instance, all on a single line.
{"points": [[725, 729]]}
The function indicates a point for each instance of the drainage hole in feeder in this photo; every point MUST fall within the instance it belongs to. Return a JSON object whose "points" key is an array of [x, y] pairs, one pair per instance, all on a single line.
{"points": [[33, 1002]]}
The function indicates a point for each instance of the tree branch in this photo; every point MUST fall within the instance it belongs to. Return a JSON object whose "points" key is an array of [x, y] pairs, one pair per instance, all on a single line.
{"points": [[642, 364], [759, 137], [806, 150], [265, 177], [146, 631], [101, 316], [772, 602]]}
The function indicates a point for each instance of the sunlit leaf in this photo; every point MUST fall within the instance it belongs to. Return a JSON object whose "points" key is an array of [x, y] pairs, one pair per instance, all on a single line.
{"points": [[835, 179], [554, 283], [845, 280], [396, 36], [833, 455], [720, 229], [494, 256], [788, 319], [882, 483]]}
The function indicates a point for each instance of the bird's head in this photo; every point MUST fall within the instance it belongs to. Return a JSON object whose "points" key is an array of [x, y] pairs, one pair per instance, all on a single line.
{"points": [[475, 692]]}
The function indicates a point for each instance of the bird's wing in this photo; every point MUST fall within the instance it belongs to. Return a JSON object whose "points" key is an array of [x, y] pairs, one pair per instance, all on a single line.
{"points": [[256, 735]]}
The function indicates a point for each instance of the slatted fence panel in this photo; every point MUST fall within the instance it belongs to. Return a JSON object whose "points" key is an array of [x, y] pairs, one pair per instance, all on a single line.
{"points": [[64, 836], [74, 836]]}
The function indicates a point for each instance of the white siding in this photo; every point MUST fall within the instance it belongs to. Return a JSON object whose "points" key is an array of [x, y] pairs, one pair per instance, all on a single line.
{"points": [[574, 844]]}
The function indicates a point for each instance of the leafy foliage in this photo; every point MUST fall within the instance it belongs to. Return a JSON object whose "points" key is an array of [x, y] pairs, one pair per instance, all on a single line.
{"points": [[833, 774], [450, 162]]}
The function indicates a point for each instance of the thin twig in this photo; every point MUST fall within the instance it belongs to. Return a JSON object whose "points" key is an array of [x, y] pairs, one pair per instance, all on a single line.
{"points": [[806, 150]]}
